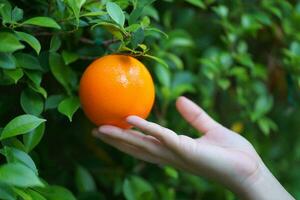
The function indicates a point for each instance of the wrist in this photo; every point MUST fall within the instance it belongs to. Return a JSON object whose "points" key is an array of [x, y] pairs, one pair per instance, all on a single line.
{"points": [[262, 185]]}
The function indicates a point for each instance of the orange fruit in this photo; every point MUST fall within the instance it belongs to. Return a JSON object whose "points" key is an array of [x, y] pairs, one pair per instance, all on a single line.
{"points": [[114, 87]]}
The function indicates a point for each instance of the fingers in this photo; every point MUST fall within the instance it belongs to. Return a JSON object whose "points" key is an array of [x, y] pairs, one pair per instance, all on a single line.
{"points": [[195, 115], [129, 149], [135, 138], [164, 135], [144, 147]]}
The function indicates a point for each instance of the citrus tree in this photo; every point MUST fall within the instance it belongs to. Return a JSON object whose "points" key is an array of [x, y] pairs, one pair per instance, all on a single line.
{"points": [[238, 59]]}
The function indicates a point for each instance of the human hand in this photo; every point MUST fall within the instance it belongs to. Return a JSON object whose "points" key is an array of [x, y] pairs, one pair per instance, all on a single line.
{"points": [[220, 154]]}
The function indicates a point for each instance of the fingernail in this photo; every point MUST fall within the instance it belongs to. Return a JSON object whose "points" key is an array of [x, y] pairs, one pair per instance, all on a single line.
{"points": [[183, 98], [132, 119], [128, 119], [104, 129]]}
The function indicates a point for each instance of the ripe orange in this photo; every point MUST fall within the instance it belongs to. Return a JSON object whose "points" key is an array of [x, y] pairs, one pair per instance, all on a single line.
{"points": [[114, 87]]}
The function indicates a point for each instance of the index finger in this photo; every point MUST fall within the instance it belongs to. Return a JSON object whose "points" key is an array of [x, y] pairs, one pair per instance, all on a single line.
{"points": [[195, 115], [166, 136]]}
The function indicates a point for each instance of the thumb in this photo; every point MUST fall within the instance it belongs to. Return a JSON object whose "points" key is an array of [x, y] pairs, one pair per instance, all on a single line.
{"points": [[195, 115]]}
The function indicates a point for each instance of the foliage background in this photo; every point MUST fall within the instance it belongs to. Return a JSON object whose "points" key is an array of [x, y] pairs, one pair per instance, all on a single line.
{"points": [[240, 60]]}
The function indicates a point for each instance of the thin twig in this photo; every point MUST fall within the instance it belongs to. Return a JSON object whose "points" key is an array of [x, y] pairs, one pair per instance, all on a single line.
{"points": [[43, 34], [86, 40], [88, 57], [109, 42]]}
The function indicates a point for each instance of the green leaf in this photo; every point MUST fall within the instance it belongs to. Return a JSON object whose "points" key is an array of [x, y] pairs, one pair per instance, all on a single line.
{"points": [[262, 106], [35, 195], [84, 180], [137, 188], [263, 18], [115, 30], [170, 171], [21, 193], [14, 155], [18, 175], [178, 90], [69, 106], [55, 43], [55, 193], [31, 40], [149, 11], [161, 61], [93, 14], [135, 14], [31, 102], [245, 59], [5, 12], [7, 61], [14, 74], [149, 30], [221, 10], [17, 14], [34, 76], [20, 125], [275, 11], [163, 75], [9, 42], [53, 101], [266, 125], [133, 27], [224, 83], [137, 37], [180, 42], [175, 60], [146, 21], [14, 142], [197, 3], [61, 72], [38, 89], [138, 11], [143, 47], [69, 57], [6, 192], [33, 138], [166, 192], [43, 22], [76, 5], [28, 61], [116, 13]]}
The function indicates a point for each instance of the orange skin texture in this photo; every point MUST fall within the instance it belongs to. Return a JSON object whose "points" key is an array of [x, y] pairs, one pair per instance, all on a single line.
{"points": [[114, 87]]}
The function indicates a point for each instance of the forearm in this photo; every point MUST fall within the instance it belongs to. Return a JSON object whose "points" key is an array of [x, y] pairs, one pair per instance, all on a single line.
{"points": [[263, 187]]}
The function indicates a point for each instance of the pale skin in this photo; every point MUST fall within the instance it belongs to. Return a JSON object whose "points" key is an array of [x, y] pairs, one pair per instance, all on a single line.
{"points": [[219, 154]]}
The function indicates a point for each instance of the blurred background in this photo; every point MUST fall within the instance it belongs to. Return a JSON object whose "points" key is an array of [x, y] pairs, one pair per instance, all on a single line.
{"points": [[239, 60]]}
